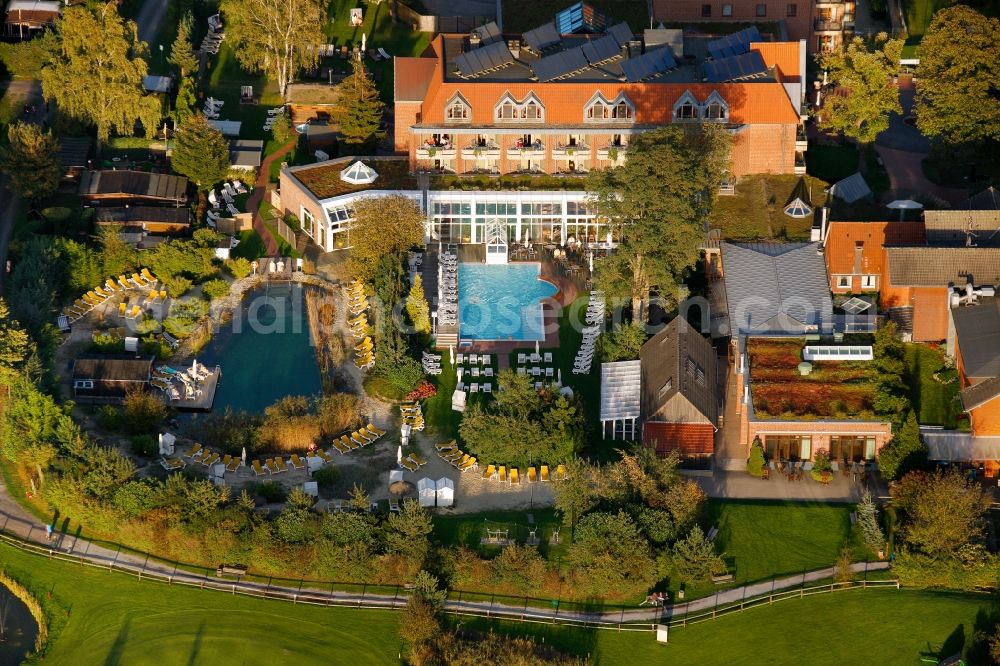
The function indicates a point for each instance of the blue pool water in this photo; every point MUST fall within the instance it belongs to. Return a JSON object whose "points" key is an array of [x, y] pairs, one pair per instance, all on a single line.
{"points": [[501, 302]]}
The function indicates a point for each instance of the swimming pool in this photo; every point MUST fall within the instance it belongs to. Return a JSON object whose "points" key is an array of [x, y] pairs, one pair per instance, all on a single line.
{"points": [[502, 302]]}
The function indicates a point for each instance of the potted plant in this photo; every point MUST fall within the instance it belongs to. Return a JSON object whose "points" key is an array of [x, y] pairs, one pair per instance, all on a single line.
{"points": [[613, 153], [571, 150], [822, 470]]}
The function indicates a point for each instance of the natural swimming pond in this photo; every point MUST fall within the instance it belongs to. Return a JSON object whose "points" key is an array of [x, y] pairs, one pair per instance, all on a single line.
{"points": [[18, 630], [502, 302], [266, 351]]}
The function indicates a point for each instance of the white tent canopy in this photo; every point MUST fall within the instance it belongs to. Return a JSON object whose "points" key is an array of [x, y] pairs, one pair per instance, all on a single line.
{"points": [[395, 475], [426, 491], [167, 443], [358, 173], [445, 491]]}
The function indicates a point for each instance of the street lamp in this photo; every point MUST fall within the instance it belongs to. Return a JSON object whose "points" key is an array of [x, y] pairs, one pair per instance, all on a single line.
{"points": [[161, 54]]}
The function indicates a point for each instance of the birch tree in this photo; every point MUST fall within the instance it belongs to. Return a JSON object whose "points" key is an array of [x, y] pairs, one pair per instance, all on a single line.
{"points": [[276, 37], [97, 75]]}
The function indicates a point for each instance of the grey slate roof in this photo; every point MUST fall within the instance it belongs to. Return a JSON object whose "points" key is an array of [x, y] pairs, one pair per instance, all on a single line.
{"points": [[941, 266], [851, 188], [981, 393], [99, 184], [977, 328], [683, 359], [960, 446], [776, 288], [955, 227]]}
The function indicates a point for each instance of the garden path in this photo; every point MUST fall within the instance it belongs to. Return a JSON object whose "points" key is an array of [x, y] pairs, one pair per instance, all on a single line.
{"points": [[260, 188]]}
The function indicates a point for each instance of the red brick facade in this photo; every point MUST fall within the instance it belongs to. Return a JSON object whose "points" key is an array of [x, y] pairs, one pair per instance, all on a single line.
{"points": [[691, 439]]}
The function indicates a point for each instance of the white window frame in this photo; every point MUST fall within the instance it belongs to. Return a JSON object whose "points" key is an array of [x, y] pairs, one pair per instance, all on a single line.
{"points": [[843, 281], [307, 226], [684, 100], [456, 102], [715, 99], [727, 10], [83, 384], [869, 281], [505, 100]]}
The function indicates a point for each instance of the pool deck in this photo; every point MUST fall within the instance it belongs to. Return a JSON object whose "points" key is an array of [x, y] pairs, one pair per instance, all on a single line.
{"points": [[204, 402]]}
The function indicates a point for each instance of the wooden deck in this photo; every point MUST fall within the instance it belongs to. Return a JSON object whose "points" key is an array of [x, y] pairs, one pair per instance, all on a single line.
{"points": [[203, 402]]}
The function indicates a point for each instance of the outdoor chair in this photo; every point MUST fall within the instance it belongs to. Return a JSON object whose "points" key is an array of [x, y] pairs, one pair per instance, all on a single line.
{"points": [[515, 478], [445, 446], [408, 464], [201, 455], [340, 447], [358, 439], [226, 459], [296, 462], [110, 286], [489, 473], [123, 283], [149, 277], [417, 458], [502, 474], [545, 473], [465, 458], [469, 464], [210, 460], [270, 467], [532, 475], [280, 464], [349, 443], [122, 307], [193, 451]]}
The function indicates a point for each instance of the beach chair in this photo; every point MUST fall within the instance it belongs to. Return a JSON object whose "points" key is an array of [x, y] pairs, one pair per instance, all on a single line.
{"points": [[201, 455], [382, 52], [124, 283], [468, 464], [226, 459], [502, 474], [359, 439], [210, 459], [122, 307], [340, 447], [545, 473], [522, 359], [346, 441], [452, 456], [102, 293], [257, 469], [296, 462], [171, 464], [138, 281], [393, 504], [83, 305], [445, 446], [547, 357], [149, 277], [270, 466], [489, 472], [193, 451], [280, 463], [532, 475], [234, 465], [378, 432], [417, 458], [406, 463], [110, 286], [515, 479], [560, 472], [458, 462], [324, 456]]}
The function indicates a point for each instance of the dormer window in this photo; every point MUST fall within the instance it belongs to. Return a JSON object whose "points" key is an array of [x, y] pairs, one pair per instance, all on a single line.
{"points": [[507, 110], [529, 109], [716, 108], [623, 111], [687, 108], [598, 110], [458, 111]]}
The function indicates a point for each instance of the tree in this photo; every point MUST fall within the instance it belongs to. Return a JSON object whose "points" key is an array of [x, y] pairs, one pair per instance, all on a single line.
{"points": [[98, 75], [359, 108], [695, 558], [181, 52], [577, 494], [239, 267], [31, 160], [384, 227], [15, 344], [959, 77], [276, 37], [862, 75], [417, 308], [518, 568], [871, 532], [117, 256], [905, 452], [610, 553], [655, 203], [621, 344], [407, 533], [201, 153], [184, 105], [755, 463], [281, 128], [942, 512], [359, 500]]}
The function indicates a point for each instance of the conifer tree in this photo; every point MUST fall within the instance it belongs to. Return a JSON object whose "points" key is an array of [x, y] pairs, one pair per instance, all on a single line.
{"points": [[359, 111], [417, 307], [31, 159]]}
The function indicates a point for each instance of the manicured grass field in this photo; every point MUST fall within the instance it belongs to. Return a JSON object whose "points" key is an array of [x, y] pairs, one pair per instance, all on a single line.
{"points": [[116, 619], [855, 627], [467, 529], [936, 403], [763, 539]]}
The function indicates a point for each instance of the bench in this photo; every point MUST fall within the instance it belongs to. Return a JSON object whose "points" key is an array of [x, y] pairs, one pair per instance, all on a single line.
{"points": [[231, 570], [712, 533], [722, 578]]}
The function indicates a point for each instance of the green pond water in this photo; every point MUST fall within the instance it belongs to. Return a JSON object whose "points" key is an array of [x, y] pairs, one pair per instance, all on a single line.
{"points": [[18, 629], [266, 351]]}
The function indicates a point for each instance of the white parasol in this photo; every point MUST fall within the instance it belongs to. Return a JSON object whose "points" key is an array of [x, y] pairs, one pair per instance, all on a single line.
{"points": [[591, 261], [399, 454], [559, 375], [243, 456], [451, 354], [536, 347], [364, 42]]}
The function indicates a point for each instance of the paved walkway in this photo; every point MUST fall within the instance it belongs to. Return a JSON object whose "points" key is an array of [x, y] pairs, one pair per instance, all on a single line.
{"points": [[740, 485], [906, 177], [21, 527], [260, 188]]}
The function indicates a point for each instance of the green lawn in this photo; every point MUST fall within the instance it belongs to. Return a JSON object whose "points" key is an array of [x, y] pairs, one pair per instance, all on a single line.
{"points": [[757, 212], [467, 529], [116, 619], [762, 539], [883, 626], [936, 403]]}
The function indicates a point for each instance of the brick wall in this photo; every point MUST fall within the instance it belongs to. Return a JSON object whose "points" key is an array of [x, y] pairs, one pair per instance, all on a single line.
{"points": [[820, 432], [293, 199], [406, 114]]}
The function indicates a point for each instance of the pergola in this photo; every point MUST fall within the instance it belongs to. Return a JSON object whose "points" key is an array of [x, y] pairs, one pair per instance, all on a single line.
{"points": [[496, 242], [620, 387]]}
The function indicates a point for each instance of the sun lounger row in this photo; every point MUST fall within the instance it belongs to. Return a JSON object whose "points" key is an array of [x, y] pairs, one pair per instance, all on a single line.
{"points": [[413, 415], [431, 363], [594, 318], [534, 358], [476, 387], [358, 439], [458, 459], [413, 462], [199, 454], [448, 288], [474, 359], [512, 476]]}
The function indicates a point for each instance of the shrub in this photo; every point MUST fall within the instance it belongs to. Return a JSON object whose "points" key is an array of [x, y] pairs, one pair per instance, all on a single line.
{"points": [[145, 445], [177, 285], [272, 492], [147, 326], [822, 470], [239, 267], [326, 477], [57, 214], [214, 289], [184, 316], [694, 557], [871, 532], [143, 411], [153, 346], [755, 464], [108, 417]]}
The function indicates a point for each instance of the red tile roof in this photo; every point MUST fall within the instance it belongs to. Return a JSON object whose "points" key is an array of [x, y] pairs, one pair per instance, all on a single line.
{"points": [[688, 438], [411, 78], [843, 237], [783, 55]]}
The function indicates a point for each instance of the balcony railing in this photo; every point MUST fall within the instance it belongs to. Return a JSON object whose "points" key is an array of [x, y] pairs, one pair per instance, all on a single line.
{"points": [[801, 141], [531, 150], [800, 164], [578, 151], [611, 152], [435, 152], [489, 150], [827, 26]]}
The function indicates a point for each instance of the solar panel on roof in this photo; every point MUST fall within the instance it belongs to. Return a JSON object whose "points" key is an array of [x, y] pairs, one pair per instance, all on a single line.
{"points": [[580, 17], [488, 33], [560, 64], [484, 59], [601, 50], [735, 67], [734, 44], [622, 33], [648, 64], [541, 37]]}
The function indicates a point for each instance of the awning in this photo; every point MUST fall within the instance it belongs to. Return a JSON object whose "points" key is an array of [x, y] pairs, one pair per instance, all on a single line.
{"points": [[953, 446]]}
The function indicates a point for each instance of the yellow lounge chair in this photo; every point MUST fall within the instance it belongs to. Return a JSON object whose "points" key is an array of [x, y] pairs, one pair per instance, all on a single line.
{"points": [[560, 472], [122, 308], [458, 462], [468, 464], [123, 283], [163, 295], [257, 469], [148, 276], [377, 431], [417, 458], [445, 446], [226, 459], [348, 442], [296, 462], [201, 455], [515, 479], [234, 465], [340, 447], [211, 460], [446, 452], [502, 474], [138, 281], [326, 457], [358, 439], [110, 286], [532, 475], [369, 434], [409, 464], [454, 455], [489, 472], [193, 451], [83, 305], [545, 472], [280, 464], [101, 293]]}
